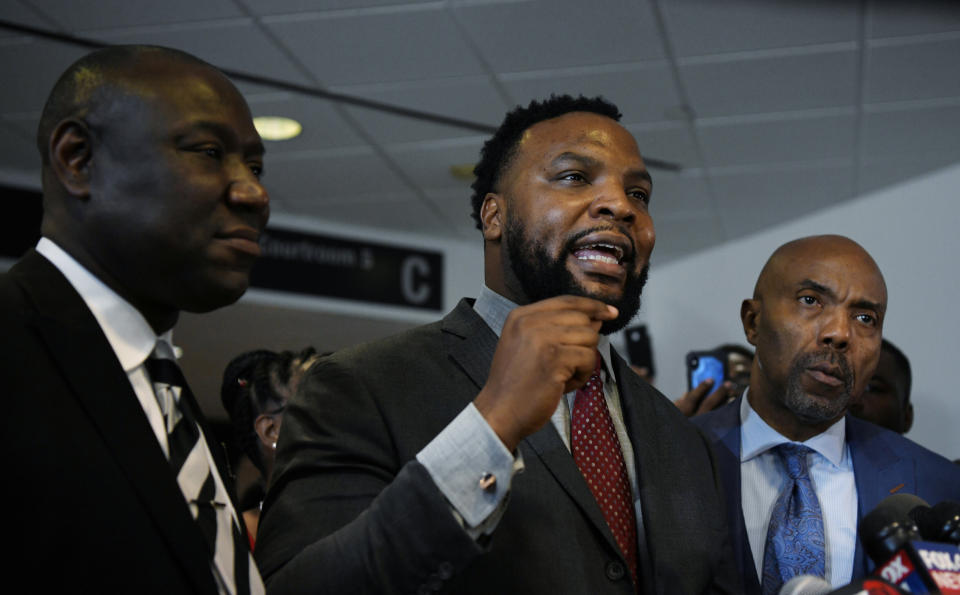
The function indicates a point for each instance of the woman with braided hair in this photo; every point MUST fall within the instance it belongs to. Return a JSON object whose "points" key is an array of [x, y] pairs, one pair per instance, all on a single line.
{"points": [[256, 387]]}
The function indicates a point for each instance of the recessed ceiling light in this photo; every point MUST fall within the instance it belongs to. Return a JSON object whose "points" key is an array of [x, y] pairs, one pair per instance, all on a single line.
{"points": [[277, 127]]}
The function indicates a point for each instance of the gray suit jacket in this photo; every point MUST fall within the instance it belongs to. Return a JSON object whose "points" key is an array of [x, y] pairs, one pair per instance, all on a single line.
{"points": [[351, 511]]}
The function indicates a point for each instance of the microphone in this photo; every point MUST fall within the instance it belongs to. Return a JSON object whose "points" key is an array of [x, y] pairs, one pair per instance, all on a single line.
{"points": [[892, 539], [806, 584], [889, 526], [940, 523]]}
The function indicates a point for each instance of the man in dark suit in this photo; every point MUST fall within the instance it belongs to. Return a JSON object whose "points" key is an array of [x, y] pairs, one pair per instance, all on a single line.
{"points": [[816, 319], [152, 205], [397, 469]]}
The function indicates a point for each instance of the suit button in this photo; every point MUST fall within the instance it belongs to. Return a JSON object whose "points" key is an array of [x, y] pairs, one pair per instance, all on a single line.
{"points": [[445, 571], [615, 570]]}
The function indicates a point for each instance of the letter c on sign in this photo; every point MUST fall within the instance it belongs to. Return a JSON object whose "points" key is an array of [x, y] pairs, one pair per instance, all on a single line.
{"points": [[413, 274]]}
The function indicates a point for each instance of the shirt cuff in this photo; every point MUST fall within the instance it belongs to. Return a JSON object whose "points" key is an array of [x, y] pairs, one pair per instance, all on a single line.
{"points": [[471, 467]]}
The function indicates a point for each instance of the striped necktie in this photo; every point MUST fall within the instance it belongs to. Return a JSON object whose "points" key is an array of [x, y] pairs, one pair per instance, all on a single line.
{"points": [[229, 553]]}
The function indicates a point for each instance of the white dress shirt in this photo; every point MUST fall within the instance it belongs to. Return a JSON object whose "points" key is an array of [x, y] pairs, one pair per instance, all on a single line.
{"points": [[133, 340], [762, 478]]}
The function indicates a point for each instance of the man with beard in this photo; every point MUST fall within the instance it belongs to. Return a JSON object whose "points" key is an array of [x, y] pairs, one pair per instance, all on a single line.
{"points": [[398, 468], [787, 450]]}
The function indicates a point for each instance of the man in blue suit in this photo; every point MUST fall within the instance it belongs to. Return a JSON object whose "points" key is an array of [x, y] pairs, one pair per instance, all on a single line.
{"points": [[799, 472]]}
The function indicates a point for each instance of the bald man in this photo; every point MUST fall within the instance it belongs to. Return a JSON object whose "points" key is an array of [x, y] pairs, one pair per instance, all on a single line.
{"points": [[152, 205], [788, 446]]}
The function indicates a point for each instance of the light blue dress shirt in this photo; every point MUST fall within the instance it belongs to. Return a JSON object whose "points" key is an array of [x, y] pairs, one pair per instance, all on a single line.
{"points": [[468, 448], [762, 478]]}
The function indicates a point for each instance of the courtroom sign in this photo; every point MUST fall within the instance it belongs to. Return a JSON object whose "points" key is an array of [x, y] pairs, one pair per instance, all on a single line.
{"points": [[327, 266]]}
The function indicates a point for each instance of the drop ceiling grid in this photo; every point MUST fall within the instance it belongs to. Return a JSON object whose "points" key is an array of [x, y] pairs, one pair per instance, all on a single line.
{"points": [[472, 59]]}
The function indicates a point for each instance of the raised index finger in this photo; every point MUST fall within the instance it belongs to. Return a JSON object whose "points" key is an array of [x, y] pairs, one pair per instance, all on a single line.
{"points": [[593, 308]]}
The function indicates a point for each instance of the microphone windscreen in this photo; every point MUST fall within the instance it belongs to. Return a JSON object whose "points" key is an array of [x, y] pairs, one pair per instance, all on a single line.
{"points": [[940, 523], [805, 584], [888, 526]]}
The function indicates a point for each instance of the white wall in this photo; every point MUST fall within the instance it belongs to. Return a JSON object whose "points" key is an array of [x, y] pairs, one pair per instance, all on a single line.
{"points": [[912, 232]]}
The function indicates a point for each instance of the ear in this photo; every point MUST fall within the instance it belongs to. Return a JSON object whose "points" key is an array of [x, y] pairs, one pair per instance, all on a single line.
{"points": [[71, 152], [907, 418], [268, 429], [749, 316], [491, 217]]}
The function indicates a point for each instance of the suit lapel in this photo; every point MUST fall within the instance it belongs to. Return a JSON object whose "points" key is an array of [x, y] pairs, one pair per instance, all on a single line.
{"points": [[723, 429], [81, 351], [470, 343], [878, 472], [645, 432]]}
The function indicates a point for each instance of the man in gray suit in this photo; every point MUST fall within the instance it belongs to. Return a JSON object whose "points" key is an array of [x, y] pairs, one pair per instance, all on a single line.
{"points": [[399, 462]]}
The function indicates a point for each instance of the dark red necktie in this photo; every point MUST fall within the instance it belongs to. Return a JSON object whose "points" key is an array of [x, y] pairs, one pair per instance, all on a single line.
{"points": [[596, 450]]}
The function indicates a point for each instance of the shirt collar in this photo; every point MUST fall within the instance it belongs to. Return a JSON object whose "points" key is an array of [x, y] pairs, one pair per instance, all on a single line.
{"points": [[493, 308], [128, 332], [757, 437]]}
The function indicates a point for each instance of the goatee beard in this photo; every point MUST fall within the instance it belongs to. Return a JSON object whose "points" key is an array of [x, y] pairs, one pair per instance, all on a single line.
{"points": [[541, 277], [814, 410]]}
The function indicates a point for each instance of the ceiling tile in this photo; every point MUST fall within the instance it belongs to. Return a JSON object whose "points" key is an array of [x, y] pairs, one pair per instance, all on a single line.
{"points": [[913, 71], [751, 202], [880, 174], [644, 93], [559, 33], [17, 12], [323, 128], [428, 165], [903, 133], [126, 13], [771, 84], [406, 215], [345, 50], [679, 195], [684, 235], [472, 99], [668, 142], [26, 88], [232, 45], [275, 7], [794, 139], [454, 204], [892, 19], [698, 27], [336, 176]]}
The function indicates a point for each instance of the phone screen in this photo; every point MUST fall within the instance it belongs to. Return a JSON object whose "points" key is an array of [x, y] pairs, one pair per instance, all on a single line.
{"points": [[702, 366]]}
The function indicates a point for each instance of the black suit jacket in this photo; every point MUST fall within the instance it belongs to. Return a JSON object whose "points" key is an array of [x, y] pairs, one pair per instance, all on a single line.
{"points": [[351, 511], [91, 505]]}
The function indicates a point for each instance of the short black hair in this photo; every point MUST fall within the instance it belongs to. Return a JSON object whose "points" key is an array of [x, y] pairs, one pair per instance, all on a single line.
{"points": [[500, 149], [258, 382], [902, 362], [82, 84]]}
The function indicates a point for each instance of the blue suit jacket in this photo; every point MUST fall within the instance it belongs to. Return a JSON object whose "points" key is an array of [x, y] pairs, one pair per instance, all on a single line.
{"points": [[884, 463]]}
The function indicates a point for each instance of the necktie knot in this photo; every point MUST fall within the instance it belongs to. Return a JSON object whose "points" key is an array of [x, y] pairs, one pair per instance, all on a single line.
{"points": [[165, 371], [794, 457]]}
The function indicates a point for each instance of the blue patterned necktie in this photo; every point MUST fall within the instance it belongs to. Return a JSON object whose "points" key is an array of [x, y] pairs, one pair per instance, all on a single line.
{"points": [[795, 541]]}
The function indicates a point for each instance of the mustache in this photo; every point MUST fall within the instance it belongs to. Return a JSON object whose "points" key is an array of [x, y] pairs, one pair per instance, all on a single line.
{"points": [[827, 356]]}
